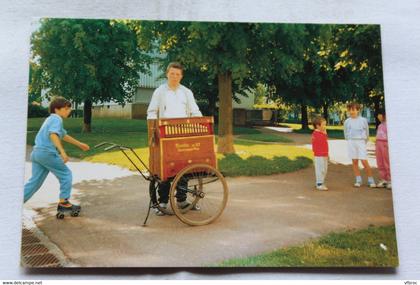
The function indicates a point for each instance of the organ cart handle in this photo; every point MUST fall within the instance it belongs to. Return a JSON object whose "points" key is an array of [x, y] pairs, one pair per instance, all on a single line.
{"points": [[126, 150]]}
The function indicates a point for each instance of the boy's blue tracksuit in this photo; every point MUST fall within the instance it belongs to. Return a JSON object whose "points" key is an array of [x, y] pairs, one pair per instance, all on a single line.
{"points": [[45, 159]]}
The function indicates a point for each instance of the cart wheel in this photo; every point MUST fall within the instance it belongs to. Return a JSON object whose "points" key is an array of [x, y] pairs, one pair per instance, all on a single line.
{"points": [[154, 196], [205, 188], [59, 216]]}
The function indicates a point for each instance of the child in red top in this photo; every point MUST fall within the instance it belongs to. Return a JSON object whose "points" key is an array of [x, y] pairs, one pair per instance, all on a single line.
{"points": [[320, 149]]}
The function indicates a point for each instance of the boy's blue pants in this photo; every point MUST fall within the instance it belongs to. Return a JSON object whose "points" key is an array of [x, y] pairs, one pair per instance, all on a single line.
{"points": [[42, 163]]}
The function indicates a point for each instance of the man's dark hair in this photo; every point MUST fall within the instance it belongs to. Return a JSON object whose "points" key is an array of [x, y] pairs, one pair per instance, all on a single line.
{"points": [[176, 65], [58, 103], [317, 121]]}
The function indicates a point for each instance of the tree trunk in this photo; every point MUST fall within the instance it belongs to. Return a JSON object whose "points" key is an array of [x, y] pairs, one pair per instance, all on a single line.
{"points": [[87, 116], [325, 111], [304, 116], [212, 105], [76, 106], [225, 140]]}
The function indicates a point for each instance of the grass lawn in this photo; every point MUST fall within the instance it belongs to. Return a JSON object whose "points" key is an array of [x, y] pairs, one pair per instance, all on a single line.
{"points": [[348, 249], [132, 133], [334, 132], [254, 153]]}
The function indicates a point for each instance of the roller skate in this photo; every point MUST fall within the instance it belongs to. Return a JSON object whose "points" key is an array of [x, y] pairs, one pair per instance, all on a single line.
{"points": [[67, 208]]}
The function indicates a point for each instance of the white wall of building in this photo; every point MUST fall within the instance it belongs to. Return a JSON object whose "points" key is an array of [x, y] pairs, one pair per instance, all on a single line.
{"points": [[245, 102]]}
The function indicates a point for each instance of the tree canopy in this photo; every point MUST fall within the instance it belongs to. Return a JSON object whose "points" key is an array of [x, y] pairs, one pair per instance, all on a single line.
{"points": [[88, 61], [339, 63], [235, 55], [305, 65]]}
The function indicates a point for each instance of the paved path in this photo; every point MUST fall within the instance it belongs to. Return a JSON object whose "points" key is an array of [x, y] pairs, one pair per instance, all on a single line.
{"points": [[263, 213], [81, 171]]}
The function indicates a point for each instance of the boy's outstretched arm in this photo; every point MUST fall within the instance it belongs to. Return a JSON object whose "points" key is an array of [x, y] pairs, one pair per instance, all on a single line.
{"points": [[57, 143], [75, 142]]}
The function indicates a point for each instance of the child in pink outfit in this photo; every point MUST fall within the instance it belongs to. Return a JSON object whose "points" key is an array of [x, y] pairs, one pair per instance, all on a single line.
{"points": [[382, 154]]}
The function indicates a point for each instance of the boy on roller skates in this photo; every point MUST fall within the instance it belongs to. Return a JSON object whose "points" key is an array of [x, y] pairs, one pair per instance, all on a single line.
{"points": [[48, 155]]}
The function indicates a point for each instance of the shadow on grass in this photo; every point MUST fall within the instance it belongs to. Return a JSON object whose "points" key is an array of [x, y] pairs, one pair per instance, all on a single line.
{"points": [[262, 138], [234, 165]]}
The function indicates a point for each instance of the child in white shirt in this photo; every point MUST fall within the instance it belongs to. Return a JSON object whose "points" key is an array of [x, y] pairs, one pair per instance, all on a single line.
{"points": [[356, 132]]}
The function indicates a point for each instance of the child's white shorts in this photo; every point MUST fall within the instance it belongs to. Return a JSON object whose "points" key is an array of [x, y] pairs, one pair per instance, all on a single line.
{"points": [[357, 149]]}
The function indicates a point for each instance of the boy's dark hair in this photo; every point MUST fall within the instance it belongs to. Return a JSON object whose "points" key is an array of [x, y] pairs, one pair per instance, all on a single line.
{"points": [[353, 105], [58, 103], [176, 65], [317, 121]]}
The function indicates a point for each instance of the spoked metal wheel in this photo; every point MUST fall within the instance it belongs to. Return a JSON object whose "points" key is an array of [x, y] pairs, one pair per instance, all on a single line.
{"points": [[204, 189], [155, 196]]}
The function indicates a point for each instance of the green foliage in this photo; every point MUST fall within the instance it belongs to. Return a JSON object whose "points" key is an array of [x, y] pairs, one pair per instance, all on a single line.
{"points": [[337, 64], [364, 57], [95, 60], [246, 52], [34, 90], [359, 50], [348, 249], [289, 64], [261, 94], [37, 111]]}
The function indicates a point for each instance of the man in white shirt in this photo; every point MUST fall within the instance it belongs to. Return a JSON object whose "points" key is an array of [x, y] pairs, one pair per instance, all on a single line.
{"points": [[172, 100]]}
